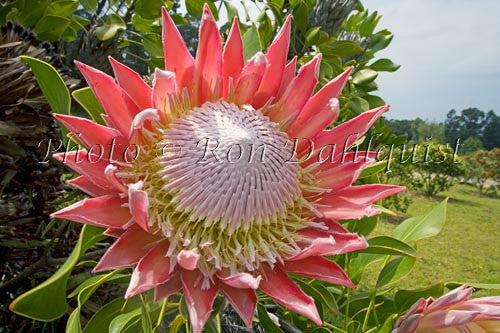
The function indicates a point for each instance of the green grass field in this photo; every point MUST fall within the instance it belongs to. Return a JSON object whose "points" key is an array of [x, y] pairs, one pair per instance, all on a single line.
{"points": [[466, 250]]}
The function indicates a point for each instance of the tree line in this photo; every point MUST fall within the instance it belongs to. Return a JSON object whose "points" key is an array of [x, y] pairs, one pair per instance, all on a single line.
{"points": [[476, 129]]}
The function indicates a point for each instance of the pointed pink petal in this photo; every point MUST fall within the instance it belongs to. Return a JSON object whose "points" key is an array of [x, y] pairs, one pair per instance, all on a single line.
{"points": [[164, 85], [232, 58], [456, 296], [139, 204], [343, 175], [112, 98], [208, 73], [143, 120], [199, 301], [153, 269], [276, 56], [84, 184], [321, 269], [486, 311], [114, 232], [241, 280], [188, 259], [362, 194], [250, 78], [333, 226], [324, 162], [309, 127], [101, 140], [170, 287], [106, 211], [132, 83], [409, 325], [323, 97], [329, 243], [277, 285], [288, 75], [88, 165], [177, 56], [344, 135], [244, 301], [447, 318], [489, 300], [345, 210], [299, 91], [127, 250]]}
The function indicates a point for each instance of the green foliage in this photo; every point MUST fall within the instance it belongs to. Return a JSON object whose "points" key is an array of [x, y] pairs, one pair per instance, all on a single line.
{"points": [[33, 304]]}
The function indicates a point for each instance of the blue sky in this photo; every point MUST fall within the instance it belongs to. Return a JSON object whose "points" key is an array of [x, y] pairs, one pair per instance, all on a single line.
{"points": [[449, 51]]}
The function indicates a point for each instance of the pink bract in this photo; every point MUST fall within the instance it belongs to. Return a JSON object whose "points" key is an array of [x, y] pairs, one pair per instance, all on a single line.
{"points": [[204, 224], [452, 312]]}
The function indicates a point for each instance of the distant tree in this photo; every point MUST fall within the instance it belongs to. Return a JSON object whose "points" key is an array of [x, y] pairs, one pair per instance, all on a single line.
{"points": [[471, 145], [469, 122], [491, 131], [418, 130]]}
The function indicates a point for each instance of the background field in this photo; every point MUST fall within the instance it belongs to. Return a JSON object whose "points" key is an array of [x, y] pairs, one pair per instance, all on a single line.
{"points": [[466, 250]]}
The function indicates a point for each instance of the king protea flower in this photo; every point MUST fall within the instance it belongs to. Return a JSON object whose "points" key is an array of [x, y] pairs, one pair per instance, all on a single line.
{"points": [[454, 312], [190, 217]]}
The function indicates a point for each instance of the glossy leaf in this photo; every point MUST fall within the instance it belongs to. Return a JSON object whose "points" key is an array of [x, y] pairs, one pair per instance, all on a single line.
{"points": [[395, 270], [384, 65], [51, 27], [86, 98], [364, 76], [111, 26], [251, 42], [404, 299], [266, 322], [389, 246], [423, 226], [51, 84], [33, 304]]}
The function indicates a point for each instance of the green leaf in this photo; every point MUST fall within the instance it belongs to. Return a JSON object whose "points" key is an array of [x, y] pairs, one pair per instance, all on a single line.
{"points": [[63, 8], [101, 320], [368, 25], [358, 104], [147, 325], [423, 226], [389, 246], [475, 285], [404, 299], [384, 65], [121, 322], [374, 101], [33, 304], [177, 323], [364, 76], [301, 17], [266, 322], [380, 40], [148, 9], [90, 5], [342, 48], [395, 270], [86, 98], [195, 8], [73, 324], [312, 36], [251, 42], [388, 324], [51, 27], [51, 84], [265, 30], [232, 11], [153, 45], [111, 26]]}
